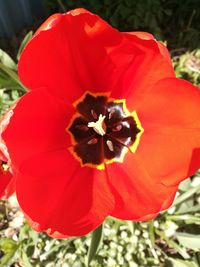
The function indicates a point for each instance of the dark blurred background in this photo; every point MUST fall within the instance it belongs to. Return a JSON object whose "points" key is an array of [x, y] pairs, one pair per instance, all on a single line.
{"points": [[176, 21]]}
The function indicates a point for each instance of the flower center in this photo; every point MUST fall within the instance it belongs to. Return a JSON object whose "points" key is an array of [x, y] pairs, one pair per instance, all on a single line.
{"points": [[4, 166], [103, 130]]}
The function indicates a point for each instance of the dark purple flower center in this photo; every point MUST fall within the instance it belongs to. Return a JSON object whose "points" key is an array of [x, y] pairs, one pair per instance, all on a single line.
{"points": [[103, 130]]}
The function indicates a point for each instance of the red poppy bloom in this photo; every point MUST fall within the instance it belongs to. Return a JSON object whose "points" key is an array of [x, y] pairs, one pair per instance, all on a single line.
{"points": [[106, 129], [7, 181]]}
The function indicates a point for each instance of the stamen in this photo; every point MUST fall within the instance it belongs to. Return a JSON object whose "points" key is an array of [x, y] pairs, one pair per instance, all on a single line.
{"points": [[111, 113], [4, 166], [110, 145], [117, 128], [98, 126], [93, 141], [94, 114]]}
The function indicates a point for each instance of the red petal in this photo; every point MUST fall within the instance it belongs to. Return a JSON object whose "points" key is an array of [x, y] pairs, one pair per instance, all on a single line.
{"points": [[138, 196], [147, 36], [5, 120], [11, 187], [69, 55], [169, 148], [2, 157], [114, 61], [164, 51], [168, 152], [35, 226], [61, 196], [6, 184], [49, 23], [141, 72], [7, 181], [38, 124], [142, 35]]}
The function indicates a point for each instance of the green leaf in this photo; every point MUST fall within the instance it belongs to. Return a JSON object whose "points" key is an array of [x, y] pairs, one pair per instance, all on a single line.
{"points": [[25, 260], [131, 226], [189, 240], [183, 207], [97, 237], [185, 185], [23, 43], [6, 60], [182, 263], [189, 219], [5, 82], [174, 245], [187, 195], [151, 232], [9, 247], [187, 210], [13, 75]]}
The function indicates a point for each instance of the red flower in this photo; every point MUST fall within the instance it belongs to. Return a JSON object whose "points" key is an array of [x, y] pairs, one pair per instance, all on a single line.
{"points": [[107, 129], [7, 180]]}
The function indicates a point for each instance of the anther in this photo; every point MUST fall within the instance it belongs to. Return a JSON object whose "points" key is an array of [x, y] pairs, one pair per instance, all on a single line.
{"points": [[110, 145], [111, 113], [93, 141], [4, 166], [94, 115], [117, 128]]}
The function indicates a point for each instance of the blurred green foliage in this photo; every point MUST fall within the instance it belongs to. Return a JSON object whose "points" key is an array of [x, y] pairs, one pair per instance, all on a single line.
{"points": [[176, 21], [10, 86]]}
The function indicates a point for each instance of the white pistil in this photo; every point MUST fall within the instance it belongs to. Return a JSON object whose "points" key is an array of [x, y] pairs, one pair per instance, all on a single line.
{"points": [[98, 125]]}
